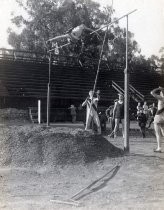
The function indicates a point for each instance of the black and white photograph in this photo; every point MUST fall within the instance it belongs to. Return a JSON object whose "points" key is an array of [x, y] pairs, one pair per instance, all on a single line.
{"points": [[81, 104]]}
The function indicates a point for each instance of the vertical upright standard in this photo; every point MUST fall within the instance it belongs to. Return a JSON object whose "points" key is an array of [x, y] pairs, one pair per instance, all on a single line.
{"points": [[39, 112], [49, 90], [126, 83], [126, 95]]}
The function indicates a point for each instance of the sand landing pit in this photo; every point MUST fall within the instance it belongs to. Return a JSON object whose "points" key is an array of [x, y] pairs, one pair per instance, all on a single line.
{"points": [[34, 145]]}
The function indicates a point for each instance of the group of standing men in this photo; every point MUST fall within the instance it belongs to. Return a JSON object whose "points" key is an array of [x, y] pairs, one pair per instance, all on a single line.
{"points": [[145, 114], [74, 36], [116, 115]]}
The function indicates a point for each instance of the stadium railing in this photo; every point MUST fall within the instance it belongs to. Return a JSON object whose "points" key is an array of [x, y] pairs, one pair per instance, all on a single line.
{"points": [[37, 57]]}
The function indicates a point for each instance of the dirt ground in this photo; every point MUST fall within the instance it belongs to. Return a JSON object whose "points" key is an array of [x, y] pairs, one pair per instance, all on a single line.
{"points": [[134, 181]]}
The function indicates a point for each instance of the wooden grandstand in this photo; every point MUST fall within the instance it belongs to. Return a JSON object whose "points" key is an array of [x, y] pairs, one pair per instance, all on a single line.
{"points": [[24, 79]]}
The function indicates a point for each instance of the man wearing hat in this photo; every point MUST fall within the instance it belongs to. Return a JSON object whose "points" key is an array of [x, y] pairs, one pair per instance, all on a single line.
{"points": [[118, 115], [73, 113]]}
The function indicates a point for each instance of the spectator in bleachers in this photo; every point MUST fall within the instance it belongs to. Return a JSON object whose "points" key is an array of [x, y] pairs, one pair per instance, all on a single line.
{"points": [[73, 113], [142, 120], [159, 117], [152, 112], [118, 115]]}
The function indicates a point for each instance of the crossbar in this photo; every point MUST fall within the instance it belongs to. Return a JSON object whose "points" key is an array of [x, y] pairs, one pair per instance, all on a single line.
{"points": [[113, 21]]}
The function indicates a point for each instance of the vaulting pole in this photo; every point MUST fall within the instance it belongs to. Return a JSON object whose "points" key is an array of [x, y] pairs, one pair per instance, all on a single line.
{"points": [[49, 90], [126, 95]]}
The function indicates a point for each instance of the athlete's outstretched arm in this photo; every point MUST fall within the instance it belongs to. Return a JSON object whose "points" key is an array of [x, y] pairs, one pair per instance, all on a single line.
{"points": [[59, 37]]}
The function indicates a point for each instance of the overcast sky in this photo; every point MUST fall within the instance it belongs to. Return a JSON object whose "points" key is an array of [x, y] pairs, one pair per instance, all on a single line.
{"points": [[147, 23]]}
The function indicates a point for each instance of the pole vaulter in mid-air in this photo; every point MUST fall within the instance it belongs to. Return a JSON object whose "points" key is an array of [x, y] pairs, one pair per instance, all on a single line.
{"points": [[74, 35]]}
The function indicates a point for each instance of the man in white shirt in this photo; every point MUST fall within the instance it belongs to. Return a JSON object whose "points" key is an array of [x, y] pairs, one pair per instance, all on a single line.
{"points": [[91, 103]]}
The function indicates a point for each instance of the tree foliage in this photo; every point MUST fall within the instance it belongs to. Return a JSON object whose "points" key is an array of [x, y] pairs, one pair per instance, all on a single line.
{"points": [[161, 59], [157, 62], [50, 18]]}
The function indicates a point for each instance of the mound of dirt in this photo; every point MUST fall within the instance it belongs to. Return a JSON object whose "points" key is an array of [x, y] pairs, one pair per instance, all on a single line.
{"points": [[11, 114], [32, 145]]}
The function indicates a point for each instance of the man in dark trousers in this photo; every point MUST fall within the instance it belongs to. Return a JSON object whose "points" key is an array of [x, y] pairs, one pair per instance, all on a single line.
{"points": [[73, 113], [142, 119], [152, 111]]}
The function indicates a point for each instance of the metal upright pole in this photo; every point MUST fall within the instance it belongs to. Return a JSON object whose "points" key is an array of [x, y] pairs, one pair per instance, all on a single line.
{"points": [[49, 90], [126, 99]]}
